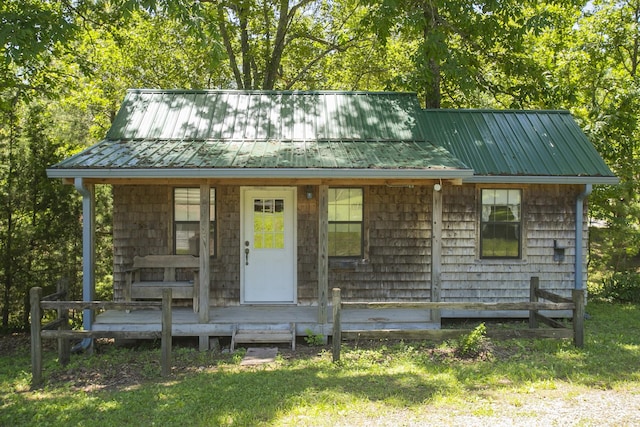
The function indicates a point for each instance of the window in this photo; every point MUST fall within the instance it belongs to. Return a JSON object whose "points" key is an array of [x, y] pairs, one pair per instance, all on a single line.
{"points": [[345, 222], [186, 221], [268, 223], [500, 225]]}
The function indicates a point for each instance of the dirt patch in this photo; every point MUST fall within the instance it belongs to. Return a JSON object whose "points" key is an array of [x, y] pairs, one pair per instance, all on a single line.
{"points": [[18, 343]]}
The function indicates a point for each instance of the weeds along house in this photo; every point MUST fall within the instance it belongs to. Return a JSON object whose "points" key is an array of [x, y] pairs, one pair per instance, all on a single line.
{"points": [[302, 192]]}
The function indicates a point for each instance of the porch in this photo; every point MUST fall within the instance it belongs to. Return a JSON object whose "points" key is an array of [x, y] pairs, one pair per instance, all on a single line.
{"points": [[223, 320]]}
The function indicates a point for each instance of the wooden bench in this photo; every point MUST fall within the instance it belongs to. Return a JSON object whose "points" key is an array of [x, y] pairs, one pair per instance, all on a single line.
{"points": [[136, 288]]}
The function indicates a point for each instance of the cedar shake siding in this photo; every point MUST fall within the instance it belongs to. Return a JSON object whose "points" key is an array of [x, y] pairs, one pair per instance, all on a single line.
{"points": [[548, 215], [397, 266], [397, 242]]}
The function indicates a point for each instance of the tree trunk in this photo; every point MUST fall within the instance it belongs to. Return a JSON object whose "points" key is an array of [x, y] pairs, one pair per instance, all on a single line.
{"points": [[8, 246], [245, 48], [273, 65], [432, 69], [226, 40]]}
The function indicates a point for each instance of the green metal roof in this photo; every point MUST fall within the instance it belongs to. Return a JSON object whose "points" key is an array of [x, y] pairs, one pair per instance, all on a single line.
{"points": [[267, 115], [254, 134], [265, 133], [525, 146]]}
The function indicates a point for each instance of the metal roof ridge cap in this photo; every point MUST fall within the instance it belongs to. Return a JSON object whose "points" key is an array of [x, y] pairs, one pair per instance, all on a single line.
{"points": [[497, 110], [275, 92]]}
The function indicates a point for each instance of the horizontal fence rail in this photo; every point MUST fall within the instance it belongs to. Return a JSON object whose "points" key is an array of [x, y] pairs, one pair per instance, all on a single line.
{"points": [[59, 328], [506, 306], [534, 306]]}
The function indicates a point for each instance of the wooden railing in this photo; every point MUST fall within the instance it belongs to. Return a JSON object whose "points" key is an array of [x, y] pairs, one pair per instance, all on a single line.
{"points": [[534, 306], [60, 329]]}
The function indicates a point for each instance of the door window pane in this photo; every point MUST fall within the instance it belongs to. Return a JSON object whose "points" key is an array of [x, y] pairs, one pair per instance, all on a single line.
{"points": [[268, 223]]}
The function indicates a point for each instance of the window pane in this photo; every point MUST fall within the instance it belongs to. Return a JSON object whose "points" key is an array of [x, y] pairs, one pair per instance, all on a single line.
{"points": [[500, 223], [186, 211], [345, 240], [345, 222], [342, 213], [187, 204], [345, 204], [212, 201], [355, 202], [187, 238], [501, 240]]}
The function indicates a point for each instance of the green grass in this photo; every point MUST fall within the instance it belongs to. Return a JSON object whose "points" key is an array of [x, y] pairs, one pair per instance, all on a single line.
{"points": [[389, 383]]}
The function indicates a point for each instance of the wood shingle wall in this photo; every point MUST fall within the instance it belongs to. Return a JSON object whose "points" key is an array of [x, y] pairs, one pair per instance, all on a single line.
{"points": [[548, 215], [398, 239], [141, 215], [397, 262]]}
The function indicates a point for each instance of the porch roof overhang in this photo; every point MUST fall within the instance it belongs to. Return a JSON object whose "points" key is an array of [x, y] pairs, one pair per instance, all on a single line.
{"points": [[258, 159], [261, 173], [533, 179]]}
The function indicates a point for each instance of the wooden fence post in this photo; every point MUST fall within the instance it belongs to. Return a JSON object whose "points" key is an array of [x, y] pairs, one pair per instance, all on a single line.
{"points": [[35, 296], [64, 346], [534, 285], [337, 328], [578, 317], [165, 344]]}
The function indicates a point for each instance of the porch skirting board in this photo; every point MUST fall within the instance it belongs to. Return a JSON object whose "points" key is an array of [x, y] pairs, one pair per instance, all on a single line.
{"points": [[223, 320]]}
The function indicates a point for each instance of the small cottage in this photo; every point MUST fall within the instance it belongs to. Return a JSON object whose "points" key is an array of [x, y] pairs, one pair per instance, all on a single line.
{"points": [[253, 205]]}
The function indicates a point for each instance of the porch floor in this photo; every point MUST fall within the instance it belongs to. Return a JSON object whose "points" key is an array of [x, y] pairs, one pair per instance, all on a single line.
{"points": [[223, 319]]}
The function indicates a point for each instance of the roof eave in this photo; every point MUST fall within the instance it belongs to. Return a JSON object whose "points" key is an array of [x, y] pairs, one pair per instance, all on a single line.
{"points": [[262, 173], [517, 179]]}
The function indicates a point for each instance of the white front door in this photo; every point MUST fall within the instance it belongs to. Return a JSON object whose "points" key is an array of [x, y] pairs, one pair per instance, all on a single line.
{"points": [[268, 245]]}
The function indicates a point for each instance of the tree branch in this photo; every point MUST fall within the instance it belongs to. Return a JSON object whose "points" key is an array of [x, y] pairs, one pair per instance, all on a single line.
{"points": [[222, 25]]}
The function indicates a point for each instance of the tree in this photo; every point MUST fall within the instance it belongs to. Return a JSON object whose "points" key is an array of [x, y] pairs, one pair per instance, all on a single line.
{"points": [[52, 104], [278, 43], [467, 51], [607, 51], [38, 220]]}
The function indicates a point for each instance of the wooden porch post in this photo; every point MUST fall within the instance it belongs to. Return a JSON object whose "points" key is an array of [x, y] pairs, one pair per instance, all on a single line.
{"points": [[337, 326], [323, 253], [35, 296], [578, 317], [165, 343], [534, 285], [64, 346], [436, 250], [203, 291]]}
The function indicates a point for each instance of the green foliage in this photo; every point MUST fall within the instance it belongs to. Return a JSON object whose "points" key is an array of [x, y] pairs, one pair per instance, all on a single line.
{"points": [[620, 287], [39, 225], [313, 339], [473, 344]]}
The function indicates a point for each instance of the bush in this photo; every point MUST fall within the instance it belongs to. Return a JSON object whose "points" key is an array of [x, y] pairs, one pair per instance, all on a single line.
{"points": [[622, 287], [473, 344], [313, 339]]}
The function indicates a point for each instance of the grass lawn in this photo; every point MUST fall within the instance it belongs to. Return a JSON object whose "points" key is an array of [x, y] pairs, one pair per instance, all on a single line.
{"points": [[387, 383]]}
